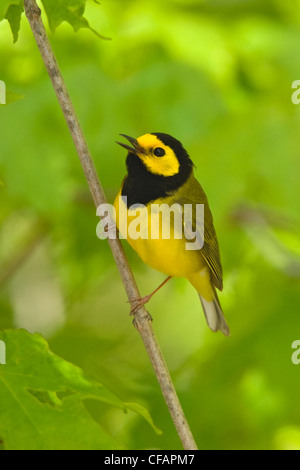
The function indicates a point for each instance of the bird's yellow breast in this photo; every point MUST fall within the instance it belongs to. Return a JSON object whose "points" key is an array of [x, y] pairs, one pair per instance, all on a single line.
{"points": [[168, 255]]}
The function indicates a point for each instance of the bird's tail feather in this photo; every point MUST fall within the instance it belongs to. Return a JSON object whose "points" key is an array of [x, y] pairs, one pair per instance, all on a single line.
{"points": [[214, 315]]}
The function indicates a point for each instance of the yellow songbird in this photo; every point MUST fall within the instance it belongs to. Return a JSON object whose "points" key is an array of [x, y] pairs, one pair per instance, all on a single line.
{"points": [[160, 171]]}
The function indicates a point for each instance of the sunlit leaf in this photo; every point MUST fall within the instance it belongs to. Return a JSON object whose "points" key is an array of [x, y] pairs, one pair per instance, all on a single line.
{"points": [[67, 10], [145, 413], [42, 396], [57, 11]]}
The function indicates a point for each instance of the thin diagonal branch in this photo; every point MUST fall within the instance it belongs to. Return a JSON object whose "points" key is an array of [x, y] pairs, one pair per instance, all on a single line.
{"points": [[142, 318]]}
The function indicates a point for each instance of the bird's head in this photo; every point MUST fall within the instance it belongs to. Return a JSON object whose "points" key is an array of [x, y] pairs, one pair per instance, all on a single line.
{"points": [[160, 155]]}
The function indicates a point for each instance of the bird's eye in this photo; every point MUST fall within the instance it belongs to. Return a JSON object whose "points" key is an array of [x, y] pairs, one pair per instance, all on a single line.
{"points": [[159, 152]]}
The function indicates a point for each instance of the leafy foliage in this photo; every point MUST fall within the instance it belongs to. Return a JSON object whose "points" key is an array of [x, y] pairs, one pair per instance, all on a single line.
{"points": [[5, 5], [57, 11], [12, 12], [70, 11], [42, 399]]}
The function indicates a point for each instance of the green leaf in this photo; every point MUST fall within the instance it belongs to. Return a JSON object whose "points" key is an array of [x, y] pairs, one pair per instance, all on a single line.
{"points": [[4, 6], [145, 413], [12, 10], [42, 396], [57, 11], [11, 97], [67, 10], [13, 15]]}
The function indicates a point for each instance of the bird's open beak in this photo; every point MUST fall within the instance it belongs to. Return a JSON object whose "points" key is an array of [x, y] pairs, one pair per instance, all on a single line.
{"points": [[136, 147]]}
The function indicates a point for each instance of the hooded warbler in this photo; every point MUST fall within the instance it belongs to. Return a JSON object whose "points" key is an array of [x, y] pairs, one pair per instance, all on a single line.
{"points": [[160, 171]]}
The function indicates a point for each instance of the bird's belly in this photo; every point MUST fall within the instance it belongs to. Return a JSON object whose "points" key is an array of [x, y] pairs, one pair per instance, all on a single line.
{"points": [[168, 256], [157, 245]]}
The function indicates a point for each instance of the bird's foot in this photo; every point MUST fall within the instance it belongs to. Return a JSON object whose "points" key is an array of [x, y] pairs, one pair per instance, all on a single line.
{"points": [[139, 302], [136, 304]]}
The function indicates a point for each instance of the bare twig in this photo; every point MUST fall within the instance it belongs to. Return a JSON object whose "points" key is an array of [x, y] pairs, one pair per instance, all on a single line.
{"points": [[142, 318]]}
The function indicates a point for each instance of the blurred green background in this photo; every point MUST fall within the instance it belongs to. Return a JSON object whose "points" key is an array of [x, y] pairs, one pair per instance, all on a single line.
{"points": [[217, 75]]}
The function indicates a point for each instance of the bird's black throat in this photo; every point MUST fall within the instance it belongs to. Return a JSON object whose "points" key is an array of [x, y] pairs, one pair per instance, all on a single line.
{"points": [[142, 187]]}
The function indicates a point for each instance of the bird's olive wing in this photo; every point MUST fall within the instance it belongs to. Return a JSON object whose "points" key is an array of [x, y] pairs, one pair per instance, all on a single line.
{"points": [[191, 194]]}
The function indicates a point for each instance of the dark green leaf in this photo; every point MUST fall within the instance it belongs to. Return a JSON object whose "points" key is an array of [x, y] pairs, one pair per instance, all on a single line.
{"points": [[13, 15], [57, 11], [4, 6], [67, 10]]}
